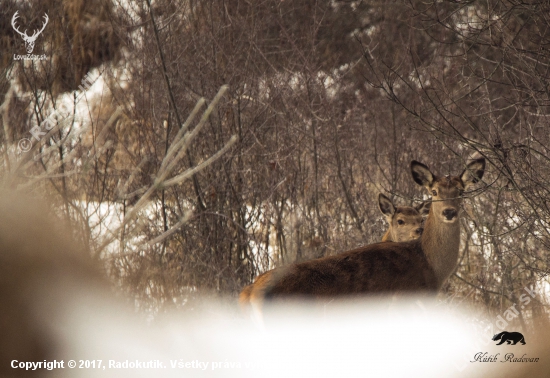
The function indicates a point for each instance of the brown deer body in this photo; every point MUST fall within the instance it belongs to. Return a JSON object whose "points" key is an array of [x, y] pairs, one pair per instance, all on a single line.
{"points": [[388, 267], [405, 224]]}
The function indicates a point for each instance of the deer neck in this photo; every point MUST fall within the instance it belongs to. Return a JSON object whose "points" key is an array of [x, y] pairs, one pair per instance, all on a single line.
{"points": [[440, 242], [387, 236]]}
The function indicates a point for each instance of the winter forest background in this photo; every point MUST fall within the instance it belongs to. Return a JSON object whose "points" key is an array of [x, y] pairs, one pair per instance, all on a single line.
{"points": [[327, 102]]}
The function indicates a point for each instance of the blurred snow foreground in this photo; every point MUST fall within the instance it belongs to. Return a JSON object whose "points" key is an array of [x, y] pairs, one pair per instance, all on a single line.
{"points": [[56, 306]]}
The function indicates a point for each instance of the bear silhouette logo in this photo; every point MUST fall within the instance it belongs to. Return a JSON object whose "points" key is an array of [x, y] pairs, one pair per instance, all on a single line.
{"points": [[509, 337]]}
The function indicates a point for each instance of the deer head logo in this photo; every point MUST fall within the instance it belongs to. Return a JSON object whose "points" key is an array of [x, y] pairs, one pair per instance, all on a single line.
{"points": [[29, 40]]}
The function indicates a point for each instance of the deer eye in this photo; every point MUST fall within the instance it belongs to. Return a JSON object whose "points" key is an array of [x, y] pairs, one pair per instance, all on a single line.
{"points": [[434, 193], [400, 222]]}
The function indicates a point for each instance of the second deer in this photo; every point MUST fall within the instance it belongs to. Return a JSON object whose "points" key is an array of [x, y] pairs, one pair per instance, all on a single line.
{"points": [[405, 221]]}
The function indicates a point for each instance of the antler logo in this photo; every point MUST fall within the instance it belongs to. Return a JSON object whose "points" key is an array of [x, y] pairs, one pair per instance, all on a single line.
{"points": [[29, 40]]}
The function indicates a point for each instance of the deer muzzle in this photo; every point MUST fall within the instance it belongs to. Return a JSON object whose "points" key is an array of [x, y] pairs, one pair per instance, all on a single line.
{"points": [[450, 214]]}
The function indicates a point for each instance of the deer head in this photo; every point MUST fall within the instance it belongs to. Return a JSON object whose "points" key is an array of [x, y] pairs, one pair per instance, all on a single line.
{"points": [[405, 221], [29, 40], [447, 191]]}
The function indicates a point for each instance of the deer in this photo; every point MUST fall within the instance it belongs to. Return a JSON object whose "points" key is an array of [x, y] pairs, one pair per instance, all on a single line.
{"points": [[29, 40], [420, 265], [405, 224]]}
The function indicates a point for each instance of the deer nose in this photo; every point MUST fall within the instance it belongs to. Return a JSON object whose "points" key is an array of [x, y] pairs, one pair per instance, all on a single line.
{"points": [[449, 213], [419, 230]]}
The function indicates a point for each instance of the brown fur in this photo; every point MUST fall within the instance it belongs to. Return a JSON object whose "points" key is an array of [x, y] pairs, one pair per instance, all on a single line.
{"points": [[412, 216], [389, 267], [343, 274], [245, 295]]}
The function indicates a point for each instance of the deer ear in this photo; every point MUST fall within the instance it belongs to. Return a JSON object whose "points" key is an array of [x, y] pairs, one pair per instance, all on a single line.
{"points": [[421, 174], [473, 173], [424, 208], [385, 205]]}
